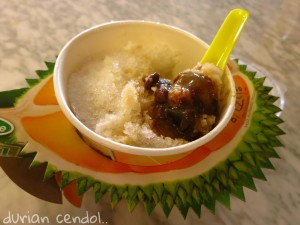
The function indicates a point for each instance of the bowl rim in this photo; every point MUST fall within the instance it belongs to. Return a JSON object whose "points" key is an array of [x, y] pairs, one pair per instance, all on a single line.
{"points": [[125, 148]]}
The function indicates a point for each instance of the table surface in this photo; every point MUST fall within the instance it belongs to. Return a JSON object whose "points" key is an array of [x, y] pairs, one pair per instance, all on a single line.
{"points": [[33, 31]]}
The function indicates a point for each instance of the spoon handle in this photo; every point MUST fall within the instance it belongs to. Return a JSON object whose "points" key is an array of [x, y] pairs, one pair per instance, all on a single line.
{"points": [[226, 38]]}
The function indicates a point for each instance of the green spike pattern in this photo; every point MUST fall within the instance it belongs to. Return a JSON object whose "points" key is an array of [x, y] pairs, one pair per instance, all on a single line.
{"points": [[49, 172], [227, 178], [10, 98]]}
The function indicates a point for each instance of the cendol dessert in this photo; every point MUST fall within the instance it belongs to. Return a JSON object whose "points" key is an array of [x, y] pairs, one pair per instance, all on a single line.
{"points": [[133, 97]]}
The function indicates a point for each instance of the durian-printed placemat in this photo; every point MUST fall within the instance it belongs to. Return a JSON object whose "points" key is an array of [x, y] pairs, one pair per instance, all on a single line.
{"points": [[31, 123]]}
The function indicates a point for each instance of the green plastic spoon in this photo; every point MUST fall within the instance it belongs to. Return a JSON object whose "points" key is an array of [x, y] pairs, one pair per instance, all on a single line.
{"points": [[226, 38]]}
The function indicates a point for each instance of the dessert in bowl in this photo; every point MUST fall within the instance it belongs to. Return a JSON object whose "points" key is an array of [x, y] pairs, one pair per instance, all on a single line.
{"points": [[124, 87]]}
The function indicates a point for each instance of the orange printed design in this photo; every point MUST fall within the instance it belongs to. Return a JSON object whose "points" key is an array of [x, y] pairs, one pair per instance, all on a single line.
{"points": [[56, 133], [46, 95]]}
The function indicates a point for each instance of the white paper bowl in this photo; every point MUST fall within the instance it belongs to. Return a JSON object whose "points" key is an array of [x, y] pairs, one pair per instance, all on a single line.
{"points": [[111, 37]]}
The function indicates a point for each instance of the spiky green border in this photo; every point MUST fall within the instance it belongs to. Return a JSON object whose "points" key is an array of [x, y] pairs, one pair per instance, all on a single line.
{"points": [[10, 98], [227, 178]]}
